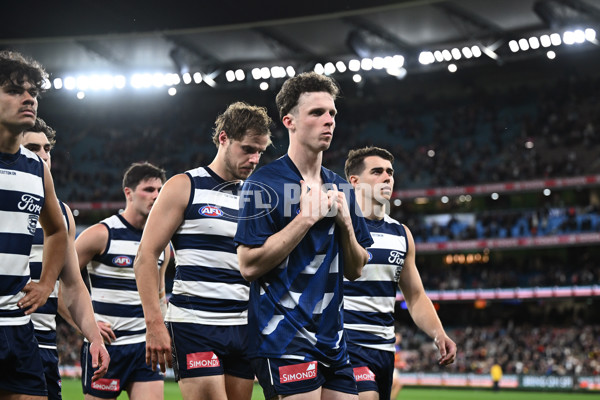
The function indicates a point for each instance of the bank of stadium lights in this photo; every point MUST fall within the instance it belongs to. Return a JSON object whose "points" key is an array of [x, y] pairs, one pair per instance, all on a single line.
{"points": [[578, 36], [447, 55]]}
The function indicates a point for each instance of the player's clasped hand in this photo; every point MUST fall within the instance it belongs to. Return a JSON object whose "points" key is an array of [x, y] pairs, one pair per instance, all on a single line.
{"points": [[314, 203], [36, 296], [447, 349]]}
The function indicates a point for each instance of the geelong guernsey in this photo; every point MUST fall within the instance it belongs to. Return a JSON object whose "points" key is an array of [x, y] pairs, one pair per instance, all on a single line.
{"points": [[208, 287], [114, 292], [21, 201], [369, 300], [296, 308], [44, 318]]}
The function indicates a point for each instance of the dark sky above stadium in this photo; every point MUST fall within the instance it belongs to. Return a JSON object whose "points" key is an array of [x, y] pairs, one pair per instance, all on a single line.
{"points": [[34, 19]]}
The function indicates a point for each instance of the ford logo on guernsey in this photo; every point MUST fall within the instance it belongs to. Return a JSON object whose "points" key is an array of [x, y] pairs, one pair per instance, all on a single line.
{"points": [[122, 261], [211, 211]]}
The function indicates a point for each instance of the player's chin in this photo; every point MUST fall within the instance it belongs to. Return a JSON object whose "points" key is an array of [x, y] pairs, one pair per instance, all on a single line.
{"points": [[243, 173]]}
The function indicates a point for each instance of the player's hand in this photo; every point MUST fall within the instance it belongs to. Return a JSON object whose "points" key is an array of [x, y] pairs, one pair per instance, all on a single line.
{"points": [[36, 296], [340, 207], [447, 349], [100, 359], [314, 203], [158, 346], [106, 331]]}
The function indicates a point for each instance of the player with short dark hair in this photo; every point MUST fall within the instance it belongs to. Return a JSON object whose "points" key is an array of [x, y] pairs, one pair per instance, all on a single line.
{"points": [[207, 313], [108, 250], [369, 300], [299, 234], [72, 294]]}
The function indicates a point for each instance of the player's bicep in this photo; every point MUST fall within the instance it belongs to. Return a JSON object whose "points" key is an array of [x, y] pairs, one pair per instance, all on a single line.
{"points": [[91, 242]]}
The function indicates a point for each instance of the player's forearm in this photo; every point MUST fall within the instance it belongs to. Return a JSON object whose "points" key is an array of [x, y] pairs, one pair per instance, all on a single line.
{"points": [[147, 279], [53, 261], [424, 315], [257, 261], [79, 306], [355, 256]]}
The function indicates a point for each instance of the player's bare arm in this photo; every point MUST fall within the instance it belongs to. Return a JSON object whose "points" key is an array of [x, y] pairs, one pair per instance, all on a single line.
{"points": [[164, 219], [255, 261], [76, 299], [420, 306], [91, 242], [55, 238]]}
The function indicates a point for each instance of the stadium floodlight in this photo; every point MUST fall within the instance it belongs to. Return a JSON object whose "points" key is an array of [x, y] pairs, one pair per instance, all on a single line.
{"points": [[467, 52], [438, 56], [264, 86], [357, 78], [534, 43], [523, 44], [277, 72], [119, 81], [83, 82], [545, 41], [547, 192], [476, 51], [197, 77], [70, 83], [446, 54], [456, 53], [452, 68], [172, 91], [230, 76], [378, 63], [397, 202], [46, 84], [513, 46], [555, 39], [265, 73], [426, 57], [445, 199], [341, 66], [366, 64], [551, 55], [319, 68], [590, 35], [579, 36], [107, 82], [187, 78], [399, 73], [81, 95], [495, 196], [354, 65], [256, 74], [329, 68], [58, 83], [172, 79], [291, 72], [158, 80], [240, 75], [568, 38]]}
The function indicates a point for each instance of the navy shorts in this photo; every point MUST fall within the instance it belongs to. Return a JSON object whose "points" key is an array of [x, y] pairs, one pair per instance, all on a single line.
{"points": [[53, 381], [21, 369], [127, 365], [373, 369], [207, 350], [279, 376]]}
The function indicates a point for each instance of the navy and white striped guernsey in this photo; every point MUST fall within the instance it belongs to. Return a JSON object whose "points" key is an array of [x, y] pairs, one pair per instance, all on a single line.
{"points": [[369, 301], [114, 292], [208, 287], [296, 308], [44, 318], [21, 201]]}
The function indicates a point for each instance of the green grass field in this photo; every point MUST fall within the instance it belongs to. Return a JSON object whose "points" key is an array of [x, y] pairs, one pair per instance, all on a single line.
{"points": [[71, 390]]}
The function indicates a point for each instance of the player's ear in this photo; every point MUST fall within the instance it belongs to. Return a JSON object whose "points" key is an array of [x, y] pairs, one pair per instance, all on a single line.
{"points": [[288, 121], [223, 138], [353, 179]]}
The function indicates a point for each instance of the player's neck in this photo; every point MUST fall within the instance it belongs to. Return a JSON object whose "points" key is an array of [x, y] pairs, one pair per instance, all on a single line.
{"points": [[308, 162], [9, 141], [372, 211], [218, 167], [134, 219]]}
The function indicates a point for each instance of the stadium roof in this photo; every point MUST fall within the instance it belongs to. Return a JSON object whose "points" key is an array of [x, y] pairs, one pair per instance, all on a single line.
{"points": [[178, 36]]}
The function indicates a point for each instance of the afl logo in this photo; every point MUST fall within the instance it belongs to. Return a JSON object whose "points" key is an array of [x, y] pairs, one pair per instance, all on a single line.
{"points": [[370, 255], [122, 261], [211, 211]]}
